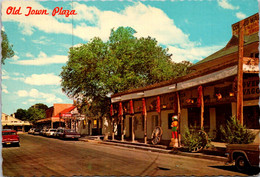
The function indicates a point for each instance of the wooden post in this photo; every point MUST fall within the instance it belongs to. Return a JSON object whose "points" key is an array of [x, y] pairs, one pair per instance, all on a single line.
{"points": [[122, 128], [160, 119], [113, 131], [145, 129], [133, 129], [179, 118], [202, 111], [240, 72]]}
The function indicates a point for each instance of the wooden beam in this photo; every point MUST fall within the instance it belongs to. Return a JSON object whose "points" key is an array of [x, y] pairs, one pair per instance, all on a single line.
{"points": [[240, 73], [179, 118], [113, 131], [145, 129], [133, 129], [202, 110], [122, 128]]}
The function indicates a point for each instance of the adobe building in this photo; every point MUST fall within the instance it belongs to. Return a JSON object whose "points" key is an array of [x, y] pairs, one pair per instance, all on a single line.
{"points": [[10, 122], [222, 85]]}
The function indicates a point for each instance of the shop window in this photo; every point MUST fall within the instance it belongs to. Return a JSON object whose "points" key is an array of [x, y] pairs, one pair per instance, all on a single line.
{"points": [[154, 121], [222, 92], [194, 118], [251, 117], [254, 55], [95, 123]]}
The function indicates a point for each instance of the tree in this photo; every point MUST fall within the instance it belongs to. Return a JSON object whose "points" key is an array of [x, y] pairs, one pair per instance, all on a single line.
{"points": [[40, 106], [34, 113], [7, 51], [235, 133], [21, 114], [124, 62]]}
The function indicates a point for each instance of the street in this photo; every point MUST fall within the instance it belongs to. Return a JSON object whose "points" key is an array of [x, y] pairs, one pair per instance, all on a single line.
{"points": [[42, 156]]}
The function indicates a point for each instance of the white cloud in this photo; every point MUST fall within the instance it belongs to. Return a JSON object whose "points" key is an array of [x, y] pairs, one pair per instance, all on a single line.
{"points": [[226, 5], [43, 79], [240, 15], [145, 19], [42, 40], [43, 59], [5, 74], [29, 55], [191, 53], [15, 57], [22, 93], [4, 89], [34, 96]]}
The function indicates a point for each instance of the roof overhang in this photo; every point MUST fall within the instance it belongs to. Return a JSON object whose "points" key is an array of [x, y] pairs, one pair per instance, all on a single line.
{"points": [[207, 78]]}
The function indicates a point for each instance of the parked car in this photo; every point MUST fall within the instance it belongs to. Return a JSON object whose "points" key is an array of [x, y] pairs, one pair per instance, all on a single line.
{"points": [[58, 131], [10, 137], [50, 132], [43, 132], [31, 131], [244, 155], [68, 134], [36, 131]]}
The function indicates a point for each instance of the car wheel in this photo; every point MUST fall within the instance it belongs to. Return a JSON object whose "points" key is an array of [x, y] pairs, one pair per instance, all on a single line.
{"points": [[241, 163]]}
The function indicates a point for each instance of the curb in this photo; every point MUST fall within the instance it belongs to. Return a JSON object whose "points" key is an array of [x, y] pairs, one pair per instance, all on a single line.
{"points": [[170, 152], [159, 149]]}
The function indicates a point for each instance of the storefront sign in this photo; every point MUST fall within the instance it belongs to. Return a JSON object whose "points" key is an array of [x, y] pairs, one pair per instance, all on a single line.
{"points": [[251, 87], [66, 115], [251, 25]]}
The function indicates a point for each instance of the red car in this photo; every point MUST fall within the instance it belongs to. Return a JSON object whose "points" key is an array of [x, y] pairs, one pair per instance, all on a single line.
{"points": [[10, 137], [68, 134]]}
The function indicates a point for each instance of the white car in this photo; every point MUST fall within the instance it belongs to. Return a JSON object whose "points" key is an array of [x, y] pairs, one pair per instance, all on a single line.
{"points": [[50, 132], [31, 131]]}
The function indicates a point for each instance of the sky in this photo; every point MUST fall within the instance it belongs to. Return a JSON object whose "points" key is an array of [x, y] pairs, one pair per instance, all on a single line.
{"points": [[190, 29]]}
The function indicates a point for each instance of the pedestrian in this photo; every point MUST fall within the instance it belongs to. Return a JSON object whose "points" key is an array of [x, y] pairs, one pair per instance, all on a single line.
{"points": [[174, 126]]}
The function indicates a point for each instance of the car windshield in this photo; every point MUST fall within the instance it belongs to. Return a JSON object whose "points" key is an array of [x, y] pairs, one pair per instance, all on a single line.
{"points": [[8, 133]]}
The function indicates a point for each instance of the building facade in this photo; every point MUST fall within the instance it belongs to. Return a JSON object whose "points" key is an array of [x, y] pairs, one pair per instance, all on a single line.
{"points": [[206, 98], [10, 122]]}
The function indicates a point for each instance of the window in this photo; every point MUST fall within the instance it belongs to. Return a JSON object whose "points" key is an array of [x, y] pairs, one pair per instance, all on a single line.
{"points": [[154, 121], [194, 118], [251, 117]]}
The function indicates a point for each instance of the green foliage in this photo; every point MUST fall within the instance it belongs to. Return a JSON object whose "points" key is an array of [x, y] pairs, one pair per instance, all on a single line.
{"points": [[7, 51], [235, 133], [34, 113], [21, 114], [195, 139], [124, 62]]}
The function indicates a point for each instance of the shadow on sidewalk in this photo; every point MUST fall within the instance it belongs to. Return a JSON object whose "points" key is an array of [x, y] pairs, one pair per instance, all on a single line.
{"points": [[252, 171]]}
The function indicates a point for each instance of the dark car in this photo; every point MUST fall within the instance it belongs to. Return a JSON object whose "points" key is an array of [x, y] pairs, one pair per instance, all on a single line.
{"points": [[68, 134], [10, 137], [244, 155], [37, 131]]}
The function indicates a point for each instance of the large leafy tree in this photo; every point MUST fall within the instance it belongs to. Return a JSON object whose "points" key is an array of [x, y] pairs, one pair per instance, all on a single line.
{"points": [[7, 51], [98, 68], [34, 113], [21, 114]]}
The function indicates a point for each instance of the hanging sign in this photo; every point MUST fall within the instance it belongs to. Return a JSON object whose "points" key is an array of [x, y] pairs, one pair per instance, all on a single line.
{"points": [[251, 25]]}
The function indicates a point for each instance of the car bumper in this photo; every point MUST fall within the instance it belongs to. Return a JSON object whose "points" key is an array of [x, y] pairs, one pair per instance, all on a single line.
{"points": [[10, 142], [72, 136]]}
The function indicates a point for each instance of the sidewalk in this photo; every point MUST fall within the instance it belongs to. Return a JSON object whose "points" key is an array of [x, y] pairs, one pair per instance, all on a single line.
{"points": [[215, 152]]}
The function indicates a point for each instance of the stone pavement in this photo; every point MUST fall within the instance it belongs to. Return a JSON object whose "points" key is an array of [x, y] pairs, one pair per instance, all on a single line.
{"points": [[215, 152]]}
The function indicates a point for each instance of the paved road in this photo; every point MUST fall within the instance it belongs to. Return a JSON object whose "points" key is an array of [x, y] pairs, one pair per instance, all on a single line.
{"points": [[42, 156]]}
